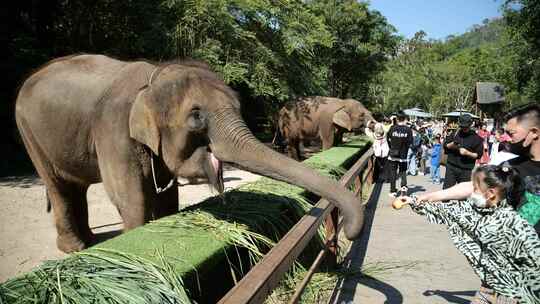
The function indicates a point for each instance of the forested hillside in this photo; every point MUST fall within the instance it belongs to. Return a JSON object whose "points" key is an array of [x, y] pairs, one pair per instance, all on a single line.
{"points": [[439, 76]]}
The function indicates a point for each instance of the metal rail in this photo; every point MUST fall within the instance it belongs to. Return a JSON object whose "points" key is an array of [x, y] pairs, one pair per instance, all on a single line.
{"points": [[265, 276]]}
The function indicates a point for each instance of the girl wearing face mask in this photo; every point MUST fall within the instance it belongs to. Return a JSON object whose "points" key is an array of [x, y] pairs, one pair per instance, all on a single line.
{"points": [[501, 246]]}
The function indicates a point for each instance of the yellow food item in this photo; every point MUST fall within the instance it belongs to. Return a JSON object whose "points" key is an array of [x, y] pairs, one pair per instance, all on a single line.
{"points": [[398, 203]]}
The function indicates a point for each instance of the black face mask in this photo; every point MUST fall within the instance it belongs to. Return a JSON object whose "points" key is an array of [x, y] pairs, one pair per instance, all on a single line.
{"points": [[465, 131], [518, 148]]}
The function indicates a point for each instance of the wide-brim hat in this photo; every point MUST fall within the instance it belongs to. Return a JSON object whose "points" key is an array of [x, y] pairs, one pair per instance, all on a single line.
{"points": [[465, 121]]}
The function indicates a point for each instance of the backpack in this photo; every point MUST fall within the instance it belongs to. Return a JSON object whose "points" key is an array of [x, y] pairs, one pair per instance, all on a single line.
{"points": [[417, 142]]}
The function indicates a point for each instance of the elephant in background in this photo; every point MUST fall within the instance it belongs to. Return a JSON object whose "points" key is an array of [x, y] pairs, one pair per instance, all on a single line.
{"points": [[136, 127], [326, 118]]}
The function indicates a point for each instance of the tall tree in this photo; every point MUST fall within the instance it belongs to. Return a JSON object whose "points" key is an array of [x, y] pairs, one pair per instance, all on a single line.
{"points": [[523, 20], [363, 40]]}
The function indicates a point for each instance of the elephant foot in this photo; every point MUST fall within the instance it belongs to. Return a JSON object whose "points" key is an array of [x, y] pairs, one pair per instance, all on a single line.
{"points": [[69, 244]]}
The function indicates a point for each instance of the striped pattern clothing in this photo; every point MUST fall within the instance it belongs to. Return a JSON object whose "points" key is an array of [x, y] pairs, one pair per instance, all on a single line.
{"points": [[501, 246]]}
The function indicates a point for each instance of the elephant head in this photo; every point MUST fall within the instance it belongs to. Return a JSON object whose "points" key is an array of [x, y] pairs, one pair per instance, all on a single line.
{"points": [[351, 115], [187, 114]]}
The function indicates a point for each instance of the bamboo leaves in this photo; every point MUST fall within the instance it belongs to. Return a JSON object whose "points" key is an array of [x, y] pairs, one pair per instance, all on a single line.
{"points": [[100, 276]]}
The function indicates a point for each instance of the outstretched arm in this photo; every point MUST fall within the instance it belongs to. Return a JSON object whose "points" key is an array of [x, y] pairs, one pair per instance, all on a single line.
{"points": [[457, 192]]}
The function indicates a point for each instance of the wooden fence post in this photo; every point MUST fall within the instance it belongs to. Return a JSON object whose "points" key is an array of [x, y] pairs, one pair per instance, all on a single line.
{"points": [[331, 225]]}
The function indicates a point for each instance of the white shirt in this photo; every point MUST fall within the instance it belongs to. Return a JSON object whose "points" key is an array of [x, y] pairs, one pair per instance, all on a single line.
{"points": [[501, 157]]}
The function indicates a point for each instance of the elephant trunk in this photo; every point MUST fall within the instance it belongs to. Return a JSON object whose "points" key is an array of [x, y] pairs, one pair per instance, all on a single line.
{"points": [[231, 141]]}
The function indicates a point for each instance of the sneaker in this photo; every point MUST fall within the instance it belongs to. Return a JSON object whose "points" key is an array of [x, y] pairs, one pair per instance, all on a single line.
{"points": [[420, 173], [393, 194]]}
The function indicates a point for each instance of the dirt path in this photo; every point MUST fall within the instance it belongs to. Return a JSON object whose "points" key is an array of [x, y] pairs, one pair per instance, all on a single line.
{"points": [[27, 233]]}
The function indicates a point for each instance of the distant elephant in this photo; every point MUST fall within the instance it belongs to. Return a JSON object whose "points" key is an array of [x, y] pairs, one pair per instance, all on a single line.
{"points": [[326, 118], [136, 127]]}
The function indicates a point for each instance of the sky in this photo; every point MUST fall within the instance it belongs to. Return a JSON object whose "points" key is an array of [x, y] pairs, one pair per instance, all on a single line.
{"points": [[437, 18]]}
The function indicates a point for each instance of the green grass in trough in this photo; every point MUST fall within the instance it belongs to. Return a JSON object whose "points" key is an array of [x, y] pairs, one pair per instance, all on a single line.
{"points": [[153, 259]]}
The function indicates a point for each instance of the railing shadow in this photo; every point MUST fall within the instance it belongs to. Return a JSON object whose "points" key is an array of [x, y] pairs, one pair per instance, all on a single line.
{"points": [[344, 292]]}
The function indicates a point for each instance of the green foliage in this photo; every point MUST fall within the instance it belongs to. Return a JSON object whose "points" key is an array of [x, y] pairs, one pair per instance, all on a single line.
{"points": [[362, 41], [523, 20], [440, 76], [269, 50]]}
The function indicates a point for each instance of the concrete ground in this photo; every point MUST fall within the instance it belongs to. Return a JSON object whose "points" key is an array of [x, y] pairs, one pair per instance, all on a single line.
{"points": [[404, 258], [27, 232]]}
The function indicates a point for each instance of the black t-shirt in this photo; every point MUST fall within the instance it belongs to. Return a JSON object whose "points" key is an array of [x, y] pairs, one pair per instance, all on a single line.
{"points": [[525, 166], [399, 139], [470, 141]]}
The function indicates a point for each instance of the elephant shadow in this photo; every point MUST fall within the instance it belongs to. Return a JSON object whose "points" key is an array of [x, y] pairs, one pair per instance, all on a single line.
{"points": [[23, 181]]}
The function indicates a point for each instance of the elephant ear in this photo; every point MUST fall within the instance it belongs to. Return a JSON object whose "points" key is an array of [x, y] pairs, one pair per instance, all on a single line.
{"points": [[342, 119], [142, 123]]}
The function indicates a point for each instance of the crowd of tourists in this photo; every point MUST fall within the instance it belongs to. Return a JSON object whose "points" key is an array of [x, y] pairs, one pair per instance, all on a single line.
{"points": [[490, 197]]}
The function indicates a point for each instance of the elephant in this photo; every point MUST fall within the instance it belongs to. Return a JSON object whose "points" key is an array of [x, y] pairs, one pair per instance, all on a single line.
{"points": [[324, 117], [136, 126]]}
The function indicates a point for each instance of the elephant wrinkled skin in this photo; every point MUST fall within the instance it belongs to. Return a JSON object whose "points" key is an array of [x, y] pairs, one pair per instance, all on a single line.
{"points": [[326, 118], [87, 119]]}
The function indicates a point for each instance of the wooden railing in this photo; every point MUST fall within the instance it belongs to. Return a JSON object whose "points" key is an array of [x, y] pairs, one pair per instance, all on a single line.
{"points": [[265, 276]]}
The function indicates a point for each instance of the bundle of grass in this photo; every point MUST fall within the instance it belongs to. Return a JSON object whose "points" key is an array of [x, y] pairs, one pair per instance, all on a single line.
{"points": [[237, 224], [100, 276]]}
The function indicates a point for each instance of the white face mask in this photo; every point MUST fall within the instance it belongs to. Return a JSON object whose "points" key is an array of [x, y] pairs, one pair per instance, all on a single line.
{"points": [[478, 200]]}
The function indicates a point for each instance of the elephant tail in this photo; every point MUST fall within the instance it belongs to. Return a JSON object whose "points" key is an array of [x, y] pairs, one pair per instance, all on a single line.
{"points": [[48, 201], [277, 137]]}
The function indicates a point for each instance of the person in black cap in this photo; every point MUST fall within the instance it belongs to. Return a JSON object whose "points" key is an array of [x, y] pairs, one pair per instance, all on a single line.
{"points": [[463, 149], [399, 140]]}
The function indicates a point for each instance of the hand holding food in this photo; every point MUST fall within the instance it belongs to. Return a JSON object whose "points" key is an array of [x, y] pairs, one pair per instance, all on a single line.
{"points": [[399, 202]]}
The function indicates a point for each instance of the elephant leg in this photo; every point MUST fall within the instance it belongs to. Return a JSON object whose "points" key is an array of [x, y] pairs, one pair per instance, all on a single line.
{"points": [[59, 194], [80, 212], [294, 149], [136, 199], [70, 215], [327, 139], [130, 199]]}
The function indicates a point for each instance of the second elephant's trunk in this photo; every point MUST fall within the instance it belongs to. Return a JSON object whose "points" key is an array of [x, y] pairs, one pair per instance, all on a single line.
{"points": [[231, 141]]}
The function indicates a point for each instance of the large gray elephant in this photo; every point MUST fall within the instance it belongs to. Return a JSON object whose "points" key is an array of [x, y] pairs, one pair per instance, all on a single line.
{"points": [[326, 118], [136, 126]]}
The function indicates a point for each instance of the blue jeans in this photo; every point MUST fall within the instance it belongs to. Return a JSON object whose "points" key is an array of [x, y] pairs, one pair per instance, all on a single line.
{"points": [[435, 174], [411, 162]]}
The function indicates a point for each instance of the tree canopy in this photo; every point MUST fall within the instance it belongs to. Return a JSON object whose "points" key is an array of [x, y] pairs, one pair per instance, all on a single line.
{"points": [[440, 75], [273, 51], [267, 49]]}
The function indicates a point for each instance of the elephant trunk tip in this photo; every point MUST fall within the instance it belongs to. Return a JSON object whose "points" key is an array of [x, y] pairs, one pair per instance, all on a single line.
{"points": [[352, 226]]}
